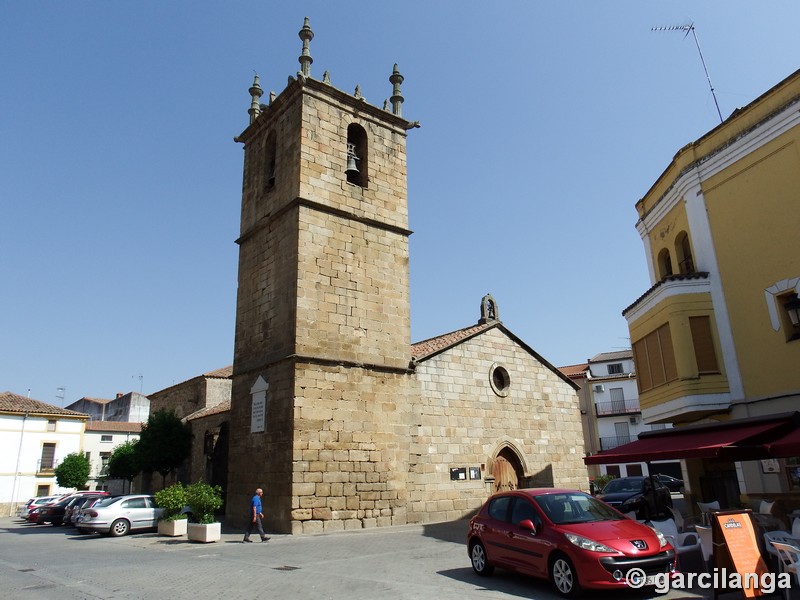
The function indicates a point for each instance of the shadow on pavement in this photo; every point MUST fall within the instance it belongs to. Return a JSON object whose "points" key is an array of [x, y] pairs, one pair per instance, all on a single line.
{"points": [[522, 586], [449, 531]]}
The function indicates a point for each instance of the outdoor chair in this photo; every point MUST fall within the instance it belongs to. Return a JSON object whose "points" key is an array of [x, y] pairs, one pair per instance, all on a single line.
{"points": [[706, 543], [682, 542], [684, 524], [766, 519], [706, 508], [788, 562], [783, 537]]}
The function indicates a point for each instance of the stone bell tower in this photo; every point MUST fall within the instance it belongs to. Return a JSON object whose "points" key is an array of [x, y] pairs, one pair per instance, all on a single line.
{"points": [[320, 409]]}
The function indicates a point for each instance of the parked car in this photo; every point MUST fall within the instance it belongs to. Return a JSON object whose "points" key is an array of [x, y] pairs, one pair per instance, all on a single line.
{"points": [[673, 483], [25, 509], [118, 515], [645, 496], [33, 515], [78, 502], [566, 536], [54, 513]]}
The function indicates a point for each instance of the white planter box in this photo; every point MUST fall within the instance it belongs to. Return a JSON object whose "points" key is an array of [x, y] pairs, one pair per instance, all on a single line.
{"points": [[173, 528], [211, 532]]}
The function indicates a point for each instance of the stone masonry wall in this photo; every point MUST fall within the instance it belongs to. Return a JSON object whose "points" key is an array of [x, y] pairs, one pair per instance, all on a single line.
{"points": [[461, 422], [350, 451], [262, 459], [183, 398]]}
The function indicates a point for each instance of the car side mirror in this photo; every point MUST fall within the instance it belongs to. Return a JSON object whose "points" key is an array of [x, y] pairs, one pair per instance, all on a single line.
{"points": [[528, 524]]}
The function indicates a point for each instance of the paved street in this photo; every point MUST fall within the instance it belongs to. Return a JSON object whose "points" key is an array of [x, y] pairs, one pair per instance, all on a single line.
{"points": [[411, 562]]}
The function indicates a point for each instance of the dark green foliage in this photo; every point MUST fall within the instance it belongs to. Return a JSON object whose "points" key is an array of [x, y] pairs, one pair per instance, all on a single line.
{"points": [[203, 500], [123, 464], [73, 472], [165, 442]]}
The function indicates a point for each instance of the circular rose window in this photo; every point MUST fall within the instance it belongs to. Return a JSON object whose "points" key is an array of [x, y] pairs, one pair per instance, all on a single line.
{"points": [[500, 379]]}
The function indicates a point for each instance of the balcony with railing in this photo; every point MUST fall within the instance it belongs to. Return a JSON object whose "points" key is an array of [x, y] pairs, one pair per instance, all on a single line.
{"points": [[607, 443], [46, 467], [617, 407]]}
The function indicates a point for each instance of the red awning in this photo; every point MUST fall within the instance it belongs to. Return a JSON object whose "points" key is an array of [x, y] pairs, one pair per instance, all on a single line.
{"points": [[788, 445], [734, 440]]}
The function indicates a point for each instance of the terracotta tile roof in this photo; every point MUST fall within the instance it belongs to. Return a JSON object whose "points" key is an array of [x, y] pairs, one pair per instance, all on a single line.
{"points": [[573, 371], [222, 407], [223, 373], [698, 275], [434, 345], [604, 356], [14, 403], [114, 426]]}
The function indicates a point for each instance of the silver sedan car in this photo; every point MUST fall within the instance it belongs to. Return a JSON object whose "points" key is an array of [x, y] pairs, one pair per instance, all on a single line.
{"points": [[119, 515]]}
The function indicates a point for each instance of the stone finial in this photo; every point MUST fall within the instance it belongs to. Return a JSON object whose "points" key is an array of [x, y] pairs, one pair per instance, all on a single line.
{"points": [[272, 96], [357, 93], [305, 59], [489, 312], [326, 78], [386, 105], [255, 93], [397, 98]]}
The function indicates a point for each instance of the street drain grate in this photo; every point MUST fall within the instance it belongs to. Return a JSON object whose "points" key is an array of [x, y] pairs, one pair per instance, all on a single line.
{"points": [[285, 568]]}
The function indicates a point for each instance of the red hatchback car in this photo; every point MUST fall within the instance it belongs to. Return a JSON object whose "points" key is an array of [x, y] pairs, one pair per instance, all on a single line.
{"points": [[568, 537]]}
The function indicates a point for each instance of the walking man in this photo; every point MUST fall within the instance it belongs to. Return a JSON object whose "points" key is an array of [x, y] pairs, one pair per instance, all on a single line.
{"points": [[255, 517]]}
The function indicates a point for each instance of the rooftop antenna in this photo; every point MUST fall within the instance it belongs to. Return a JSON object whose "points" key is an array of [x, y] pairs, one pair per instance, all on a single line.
{"points": [[60, 394], [689, 28], [140, 377]]}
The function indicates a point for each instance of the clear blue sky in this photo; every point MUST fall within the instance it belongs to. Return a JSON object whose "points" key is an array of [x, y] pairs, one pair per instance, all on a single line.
{"points": [[542, 124]]}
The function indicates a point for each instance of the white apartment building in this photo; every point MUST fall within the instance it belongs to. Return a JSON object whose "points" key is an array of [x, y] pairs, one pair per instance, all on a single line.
{"points": [[99, 442], [35, 436], [611, 380]]}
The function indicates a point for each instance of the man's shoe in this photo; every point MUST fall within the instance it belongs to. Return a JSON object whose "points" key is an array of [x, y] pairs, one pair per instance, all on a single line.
{"points": [[247, 540], [265, 539]]}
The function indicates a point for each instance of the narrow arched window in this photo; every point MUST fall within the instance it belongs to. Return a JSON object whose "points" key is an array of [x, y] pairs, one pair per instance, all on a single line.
{"points": [[270, 155], [684, 251], [664, 263], [357, 155]]}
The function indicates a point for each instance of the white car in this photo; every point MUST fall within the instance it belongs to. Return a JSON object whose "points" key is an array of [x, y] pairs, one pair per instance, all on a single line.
{"points": [[118, 515], [28, 506]]}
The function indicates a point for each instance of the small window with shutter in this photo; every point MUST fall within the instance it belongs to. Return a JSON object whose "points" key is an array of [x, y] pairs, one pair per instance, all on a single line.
{"points": [[703, 343]]}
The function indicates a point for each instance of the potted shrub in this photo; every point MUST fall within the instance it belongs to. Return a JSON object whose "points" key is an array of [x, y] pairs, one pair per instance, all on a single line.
{"points": [[203, 500], [173, 520]]}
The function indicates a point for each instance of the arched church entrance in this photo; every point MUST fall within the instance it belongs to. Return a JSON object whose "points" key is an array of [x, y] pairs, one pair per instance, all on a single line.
{"points": [[507, 470]]}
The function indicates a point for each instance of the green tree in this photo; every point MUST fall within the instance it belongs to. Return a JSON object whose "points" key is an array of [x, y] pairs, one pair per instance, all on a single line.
{"points": [[122, 463], [73, 471], [164, 444]]}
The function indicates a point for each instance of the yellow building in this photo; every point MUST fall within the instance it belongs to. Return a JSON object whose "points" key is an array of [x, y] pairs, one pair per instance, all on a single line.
{"points": [[717, 336]]}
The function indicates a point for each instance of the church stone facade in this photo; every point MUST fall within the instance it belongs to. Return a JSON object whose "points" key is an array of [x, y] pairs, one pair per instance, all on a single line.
{"points": [[333, 413]]}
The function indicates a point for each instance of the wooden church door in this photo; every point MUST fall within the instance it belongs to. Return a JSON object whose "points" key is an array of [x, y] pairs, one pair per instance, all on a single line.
{"points": [[505, 476]]}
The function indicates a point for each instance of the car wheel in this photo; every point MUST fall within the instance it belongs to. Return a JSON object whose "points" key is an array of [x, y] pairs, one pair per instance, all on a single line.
{"points": [[119, 527], [564, 577], [480, 563], [56, 522]]}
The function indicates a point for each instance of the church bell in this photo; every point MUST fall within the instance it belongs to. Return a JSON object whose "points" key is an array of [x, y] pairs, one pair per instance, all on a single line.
{"points": [[352, 168]]}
